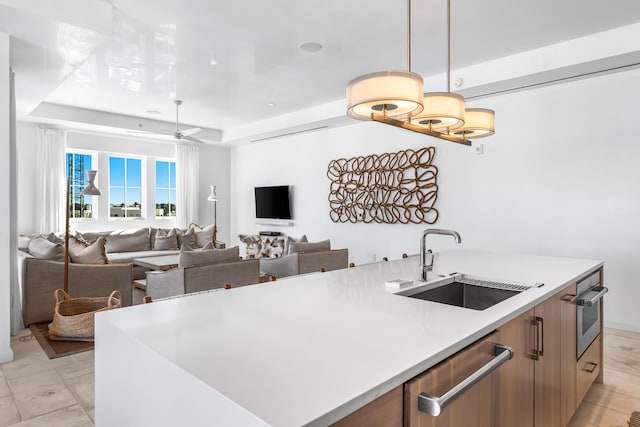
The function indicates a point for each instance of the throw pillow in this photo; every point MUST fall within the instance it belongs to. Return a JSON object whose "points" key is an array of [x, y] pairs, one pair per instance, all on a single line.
{"points": [[324, 245], [23, 242], [186, 237], [166, 239], [272, 247], [289, 241], [42, 248], [194, 258], [53, 238], [82, 252], [203, 235]]}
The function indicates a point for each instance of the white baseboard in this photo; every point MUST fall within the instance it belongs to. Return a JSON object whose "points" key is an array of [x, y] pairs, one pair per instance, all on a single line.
{"points": [[629, 327], [6, 355]]}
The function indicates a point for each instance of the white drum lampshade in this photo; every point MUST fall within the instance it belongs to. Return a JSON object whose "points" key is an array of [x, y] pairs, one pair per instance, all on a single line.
{"points": [[442, 110], [392, 93], [478, 123]]}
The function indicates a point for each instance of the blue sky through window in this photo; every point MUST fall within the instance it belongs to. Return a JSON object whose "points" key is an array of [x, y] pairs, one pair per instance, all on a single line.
{"points": [[125, 187], [165, 189]]}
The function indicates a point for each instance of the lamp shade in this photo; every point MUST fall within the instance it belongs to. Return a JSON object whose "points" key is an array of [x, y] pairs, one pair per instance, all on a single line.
{"points": [[91, 189], [213, 197], [478, 123], [442, 110], [392, 93]]}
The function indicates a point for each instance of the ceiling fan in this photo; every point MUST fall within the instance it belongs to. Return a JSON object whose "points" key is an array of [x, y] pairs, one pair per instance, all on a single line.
{"points": [[178, 135]]}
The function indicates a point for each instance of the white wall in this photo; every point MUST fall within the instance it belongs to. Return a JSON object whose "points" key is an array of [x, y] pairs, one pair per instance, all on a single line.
{"points": [[6, 182], [560, 177], [214, 168]]}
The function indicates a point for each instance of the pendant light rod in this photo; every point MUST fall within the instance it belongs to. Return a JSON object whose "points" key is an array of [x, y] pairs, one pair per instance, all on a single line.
{"points": [[448, 45], [408, 35]]}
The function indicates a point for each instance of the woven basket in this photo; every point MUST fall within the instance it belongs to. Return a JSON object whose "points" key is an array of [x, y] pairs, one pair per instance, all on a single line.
{"points": [[73, 317], [635, 419]]}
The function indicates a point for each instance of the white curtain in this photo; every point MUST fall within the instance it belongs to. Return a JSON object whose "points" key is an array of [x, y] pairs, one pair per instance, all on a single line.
{"points": [[50, 185], [187, 170], [14, 290]]}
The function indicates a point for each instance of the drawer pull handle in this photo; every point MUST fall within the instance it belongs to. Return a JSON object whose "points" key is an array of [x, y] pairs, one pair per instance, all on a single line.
{"points": [[593, 296], [434, 405], [593, 367]]}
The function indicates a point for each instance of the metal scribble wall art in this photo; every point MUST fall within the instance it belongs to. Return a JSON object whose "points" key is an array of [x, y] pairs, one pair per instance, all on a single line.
{"points": [[385, 188]]}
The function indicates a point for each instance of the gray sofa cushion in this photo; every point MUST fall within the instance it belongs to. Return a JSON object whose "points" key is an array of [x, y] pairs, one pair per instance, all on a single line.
{"points": [[166, 239], [122, 240], [191, 258], [296, 247], [81, 252], [42, 248]]}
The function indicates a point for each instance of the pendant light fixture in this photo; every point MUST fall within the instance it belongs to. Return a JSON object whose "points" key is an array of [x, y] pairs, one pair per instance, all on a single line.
{"points": [[390, 97], [395, 94], [442, 110]]}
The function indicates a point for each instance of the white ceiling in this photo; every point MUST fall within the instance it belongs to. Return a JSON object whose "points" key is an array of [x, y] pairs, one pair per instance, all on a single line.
{"points": [[131, 56]]}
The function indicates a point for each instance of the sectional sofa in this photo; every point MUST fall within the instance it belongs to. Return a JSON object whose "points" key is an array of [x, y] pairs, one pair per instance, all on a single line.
{"points": [[40, 271]]}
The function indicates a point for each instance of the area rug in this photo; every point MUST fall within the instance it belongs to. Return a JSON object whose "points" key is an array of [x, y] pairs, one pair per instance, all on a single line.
{"points": [[55, 349]]}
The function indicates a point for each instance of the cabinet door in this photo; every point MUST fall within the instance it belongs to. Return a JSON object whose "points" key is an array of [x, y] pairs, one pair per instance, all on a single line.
{"points": [[515, 382], [474, 408], [555, 376], [385, 411]]}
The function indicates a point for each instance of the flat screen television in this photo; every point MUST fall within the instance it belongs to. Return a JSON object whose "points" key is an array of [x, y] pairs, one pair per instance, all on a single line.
{"points": [[272, 202]]}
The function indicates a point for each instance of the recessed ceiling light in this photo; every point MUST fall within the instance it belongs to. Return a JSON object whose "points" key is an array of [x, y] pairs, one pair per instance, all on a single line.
{"points": [[310, 47], [153, 112], [271, 104]]}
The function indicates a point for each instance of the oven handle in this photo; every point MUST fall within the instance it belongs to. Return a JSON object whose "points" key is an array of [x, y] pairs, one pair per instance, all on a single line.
{"points": [[589, 298]]}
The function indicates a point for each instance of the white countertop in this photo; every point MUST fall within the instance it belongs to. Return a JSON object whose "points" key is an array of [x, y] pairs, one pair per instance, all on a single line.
{"points": [[310, 349]]}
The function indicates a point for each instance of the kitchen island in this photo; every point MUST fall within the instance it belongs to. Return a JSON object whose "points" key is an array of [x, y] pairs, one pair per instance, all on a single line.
{"points": [[307, 350]]}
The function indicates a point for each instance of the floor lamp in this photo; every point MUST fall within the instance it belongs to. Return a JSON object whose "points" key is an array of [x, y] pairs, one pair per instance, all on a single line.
{"points": [[89, 190], [214, 198]]}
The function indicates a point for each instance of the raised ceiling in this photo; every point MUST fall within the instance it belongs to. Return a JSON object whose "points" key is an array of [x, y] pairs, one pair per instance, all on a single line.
{"points": [[229, 60]]}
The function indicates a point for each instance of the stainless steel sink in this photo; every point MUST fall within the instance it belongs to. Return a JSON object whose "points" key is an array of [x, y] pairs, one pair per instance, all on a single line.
{"points": [[461, 291]]}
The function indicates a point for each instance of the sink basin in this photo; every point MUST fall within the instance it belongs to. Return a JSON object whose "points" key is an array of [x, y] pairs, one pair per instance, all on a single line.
{"points": [[466, 292]]}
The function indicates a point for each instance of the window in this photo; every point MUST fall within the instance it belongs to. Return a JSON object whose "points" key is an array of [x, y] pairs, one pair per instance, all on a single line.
{"points": [[165, 189], [125, 187], [77, 165]]}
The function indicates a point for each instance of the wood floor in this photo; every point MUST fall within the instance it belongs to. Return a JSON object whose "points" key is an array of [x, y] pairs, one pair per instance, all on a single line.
{"points": [[36, 391]]}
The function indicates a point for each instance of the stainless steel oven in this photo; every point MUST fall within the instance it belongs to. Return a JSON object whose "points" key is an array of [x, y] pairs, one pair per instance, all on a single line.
{"points": [[589, 298]]}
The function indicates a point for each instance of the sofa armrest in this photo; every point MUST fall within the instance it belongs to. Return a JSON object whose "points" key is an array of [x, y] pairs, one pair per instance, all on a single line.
{"points": [[163, 284], [43, 277], [207, 277], [334, 259]]}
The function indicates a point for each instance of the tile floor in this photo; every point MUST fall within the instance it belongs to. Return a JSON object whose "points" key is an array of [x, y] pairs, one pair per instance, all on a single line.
{"points": [[36, 391]]}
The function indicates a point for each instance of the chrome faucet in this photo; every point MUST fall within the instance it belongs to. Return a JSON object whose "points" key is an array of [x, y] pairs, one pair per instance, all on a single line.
{"points": [[426, 256]]}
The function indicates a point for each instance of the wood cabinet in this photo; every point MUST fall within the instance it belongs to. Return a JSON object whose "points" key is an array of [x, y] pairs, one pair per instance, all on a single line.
{"points": [[516, 380], [385, 411], [475, 407], [555, 374], [588, 368], [539, 388]]}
